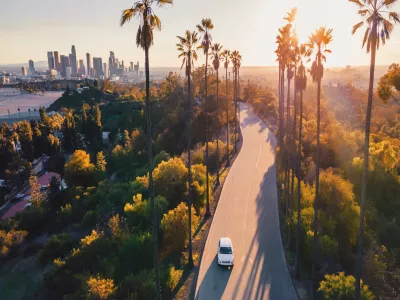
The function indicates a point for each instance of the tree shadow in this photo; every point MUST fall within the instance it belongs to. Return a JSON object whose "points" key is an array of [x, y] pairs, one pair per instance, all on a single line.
{"points": [[215, 280]]}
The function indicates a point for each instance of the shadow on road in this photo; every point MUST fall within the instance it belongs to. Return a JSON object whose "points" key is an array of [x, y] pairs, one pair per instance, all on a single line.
{"points": [[216, 279]]}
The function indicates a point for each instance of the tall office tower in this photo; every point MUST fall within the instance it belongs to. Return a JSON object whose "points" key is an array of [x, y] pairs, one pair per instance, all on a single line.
{"points": [[116, 63], [82, 69], [98, 66], [131, 66], [88, 64], [24, 71], [123, 65], [50, 60], [31, 70], [68, 72], [64, 64], [57, 63], [72, 61], [136, 68], [112, 63], [105, 70]]}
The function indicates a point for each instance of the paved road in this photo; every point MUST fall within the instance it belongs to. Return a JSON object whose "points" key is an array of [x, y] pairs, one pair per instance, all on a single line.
{"points": [[248, 213]]}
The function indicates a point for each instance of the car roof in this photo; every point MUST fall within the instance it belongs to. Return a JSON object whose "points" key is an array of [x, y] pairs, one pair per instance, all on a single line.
{"points": [[225, 242]]}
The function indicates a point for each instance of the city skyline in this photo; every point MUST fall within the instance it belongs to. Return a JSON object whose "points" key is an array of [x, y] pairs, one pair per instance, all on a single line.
{"points": [[235, 23]]}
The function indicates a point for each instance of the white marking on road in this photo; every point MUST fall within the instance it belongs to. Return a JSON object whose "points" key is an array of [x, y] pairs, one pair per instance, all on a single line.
{"points": [[259, 154]]}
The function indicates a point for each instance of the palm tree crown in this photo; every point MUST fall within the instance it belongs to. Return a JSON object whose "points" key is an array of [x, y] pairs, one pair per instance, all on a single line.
{"points": [[216, 54], [226, 57], [377, 15], [186, 46], [147, 20], [204, 28], [318, 42]]}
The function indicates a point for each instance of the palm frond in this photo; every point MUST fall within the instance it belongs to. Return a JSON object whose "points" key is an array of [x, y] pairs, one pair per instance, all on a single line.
{"points": [[389, 2], [394, 16], [358, 2], [155, 22], [164, 2], [139, 36], [363, 12], [183, 61], [200, 28], [356, 27], [365, 37], [127, 15]]}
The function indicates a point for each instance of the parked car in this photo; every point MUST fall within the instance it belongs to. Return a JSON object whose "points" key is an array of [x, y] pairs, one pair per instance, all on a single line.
{"points": [[225, 252], [17, 197]]}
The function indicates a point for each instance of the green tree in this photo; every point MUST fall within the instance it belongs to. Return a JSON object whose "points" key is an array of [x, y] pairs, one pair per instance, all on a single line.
{"points": [[216, 59], [36, 195], [144, 38], [101, 161], [172, 224], [100, 289], [378, 17], [204, 28], [341, 287], [186, 48], [318, 43], [79, 171], [390, 82]]}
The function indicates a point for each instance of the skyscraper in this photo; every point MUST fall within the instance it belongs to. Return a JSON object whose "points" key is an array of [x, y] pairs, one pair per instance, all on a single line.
{"points": [[57, 63], [72, 61], [131, 66], [111, 63], [50, 60], [64, 64], [105, 70], [31, 70], [136, 69], [98, 66], [68, 72], [88, 64], [81, 70], [24, 71]]}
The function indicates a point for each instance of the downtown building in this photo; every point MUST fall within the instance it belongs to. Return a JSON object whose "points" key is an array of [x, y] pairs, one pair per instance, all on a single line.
{"points": [[73, 62], [98, 67], [50, 60], [89, 64]]}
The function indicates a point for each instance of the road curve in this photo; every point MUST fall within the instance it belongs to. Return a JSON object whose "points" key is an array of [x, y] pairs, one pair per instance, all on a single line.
{"points": [[248, 213]]}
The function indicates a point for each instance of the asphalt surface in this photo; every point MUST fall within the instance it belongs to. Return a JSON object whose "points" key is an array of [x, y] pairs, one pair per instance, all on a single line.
{"points": [[248, 213]]}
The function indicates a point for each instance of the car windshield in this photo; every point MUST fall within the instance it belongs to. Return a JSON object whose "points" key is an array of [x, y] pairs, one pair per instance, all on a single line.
{"points": [[225, 250]]}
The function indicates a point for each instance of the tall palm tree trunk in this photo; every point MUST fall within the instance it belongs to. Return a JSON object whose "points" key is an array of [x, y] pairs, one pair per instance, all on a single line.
{"points": [[217, 136], [235, 103], [364, 179], [228, 161], [297, 259], [316, 200], [151, 184], [293, 162], [283, 146], [238, 96], [287, 174], [207, 162], [189, 166]]}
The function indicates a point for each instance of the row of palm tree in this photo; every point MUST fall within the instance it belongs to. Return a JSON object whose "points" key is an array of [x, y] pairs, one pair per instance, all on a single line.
{"points": [[148, 21], [289, 54], [187, 51]]}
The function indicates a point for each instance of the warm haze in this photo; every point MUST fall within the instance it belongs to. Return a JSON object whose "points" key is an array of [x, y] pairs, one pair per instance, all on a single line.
{"points": [[32, 28]]}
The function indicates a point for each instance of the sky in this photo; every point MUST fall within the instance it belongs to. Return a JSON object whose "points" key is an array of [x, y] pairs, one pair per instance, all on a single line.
{"points": [[31, 28]]}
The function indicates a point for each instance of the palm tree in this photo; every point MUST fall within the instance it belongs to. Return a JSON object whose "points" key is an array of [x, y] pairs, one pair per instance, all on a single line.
{"points": [[34, 111], [301, 84], [226, 56], [186, 47], [148, 21], [318, 42], [378, 30], [235, 58], [204, 28], [29, 112], [19, 112], [216, 57]]}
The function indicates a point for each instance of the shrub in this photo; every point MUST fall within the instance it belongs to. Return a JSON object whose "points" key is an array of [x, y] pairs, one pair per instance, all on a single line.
{"points": [[174, 277], [341, 287], [56, 247], [9, 239], [99, 288]]}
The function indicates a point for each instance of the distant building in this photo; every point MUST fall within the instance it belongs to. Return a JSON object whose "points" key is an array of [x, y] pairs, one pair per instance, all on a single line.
{"points": [[98, 66], [141, 73], [50, 60], [72, 61], [136, 68], [131, 66], [105, 70], [53, 74], [57, 62], [88, 64], [64, 64], [119, 72], [82, 69], [24, 71], [68, 72], [31, 70], [112, 64]]}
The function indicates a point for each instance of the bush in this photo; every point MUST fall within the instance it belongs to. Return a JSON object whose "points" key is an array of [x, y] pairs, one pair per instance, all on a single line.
{"points": [[56, 246], [174, 277], [99, 288], [341, 287], [9, 239], [174, 225]]}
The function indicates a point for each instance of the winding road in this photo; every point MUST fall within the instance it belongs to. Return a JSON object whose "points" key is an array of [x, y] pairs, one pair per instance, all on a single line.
{"points": [[247, 212]]}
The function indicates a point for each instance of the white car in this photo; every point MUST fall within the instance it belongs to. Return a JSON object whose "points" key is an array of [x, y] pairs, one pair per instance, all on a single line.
{"points": [[225, 252]]}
